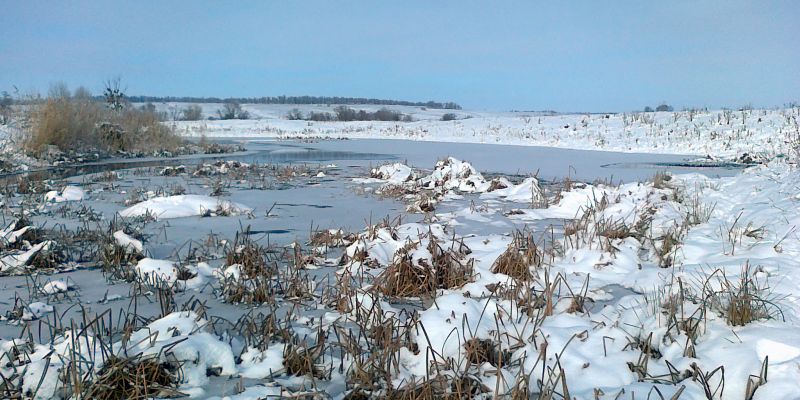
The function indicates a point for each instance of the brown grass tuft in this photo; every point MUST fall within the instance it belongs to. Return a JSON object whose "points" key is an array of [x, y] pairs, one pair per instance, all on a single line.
{"points": [[403, 278], [481, 351], [661, 180], [255, 282], [521, 254], [133, 378]]}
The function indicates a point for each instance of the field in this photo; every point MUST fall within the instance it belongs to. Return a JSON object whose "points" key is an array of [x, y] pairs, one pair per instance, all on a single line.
{"points": [[510, 255]]}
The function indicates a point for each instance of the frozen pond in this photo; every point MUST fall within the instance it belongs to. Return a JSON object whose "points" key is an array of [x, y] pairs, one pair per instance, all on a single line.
{"points": [[548, 163], [551, 163]]}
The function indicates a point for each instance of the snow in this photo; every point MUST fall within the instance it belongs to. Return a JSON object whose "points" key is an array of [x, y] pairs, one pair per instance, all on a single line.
{"points": [[36, 310], [181, 337], [718, 133], [395, 174], [157, 271], [454, 174], [182, 206], [69, 193], [56, 286], [752, 222], [9, 236], [258, 364], [451, 177], [186, 335], [528, 191], [14, 262], [604, 299], [125, 241]]}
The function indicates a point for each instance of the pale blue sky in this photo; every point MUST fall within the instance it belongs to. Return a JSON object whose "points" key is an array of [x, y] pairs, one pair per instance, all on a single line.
{"points": [[567, 56]]}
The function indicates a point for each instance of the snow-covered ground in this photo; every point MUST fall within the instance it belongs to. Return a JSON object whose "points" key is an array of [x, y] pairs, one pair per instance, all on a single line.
{"points": [[717, 133], [402, 278]]}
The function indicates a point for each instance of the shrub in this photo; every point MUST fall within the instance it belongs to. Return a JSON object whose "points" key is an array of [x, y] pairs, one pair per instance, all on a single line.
{"points": [[294, 114], [192, 112], [5, 108], [80, 123], [320, 116], [151, 108], [144, 131], [82, 93], [64, 122], [233, 111], [344, 113], [385, 114], [449, 117], [664, 107]]}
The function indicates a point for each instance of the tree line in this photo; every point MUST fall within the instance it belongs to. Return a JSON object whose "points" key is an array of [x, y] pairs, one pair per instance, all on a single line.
{"points": [[295, 100]]}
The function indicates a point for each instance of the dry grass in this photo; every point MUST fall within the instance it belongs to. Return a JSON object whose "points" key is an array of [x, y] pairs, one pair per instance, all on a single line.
{"points": [[496, 184], [262, 329], [698, 213], [299, 361], [668, 248], [117, 261], [27, 185], [615, 229], [83, 124], [422, 204], [566, 186], [479, 351], [395, 191], [52, 253], [406, 277], [521, 255], [255, 282], [289, 172], [445, 387], [332, 238], [65, 122], [661, 180], [451, 270], [300, 358], [132, 378], [743, 300]]}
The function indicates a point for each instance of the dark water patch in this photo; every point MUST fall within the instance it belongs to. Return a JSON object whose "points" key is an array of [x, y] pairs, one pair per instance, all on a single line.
{"points": [[703, 166], [269, 232], [283, 153], [303, 205]]}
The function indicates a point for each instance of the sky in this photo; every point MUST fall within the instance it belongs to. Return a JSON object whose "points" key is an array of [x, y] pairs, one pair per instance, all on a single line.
{"points": [[565, 56]]}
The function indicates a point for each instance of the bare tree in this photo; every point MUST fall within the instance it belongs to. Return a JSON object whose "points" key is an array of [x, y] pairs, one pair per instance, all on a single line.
{"points": [[114, 95], [192, 112], [233, 110], [294, 114]]}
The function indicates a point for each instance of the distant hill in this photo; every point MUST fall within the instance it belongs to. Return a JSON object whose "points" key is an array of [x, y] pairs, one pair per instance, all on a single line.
{"points": [[294, 100]]}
